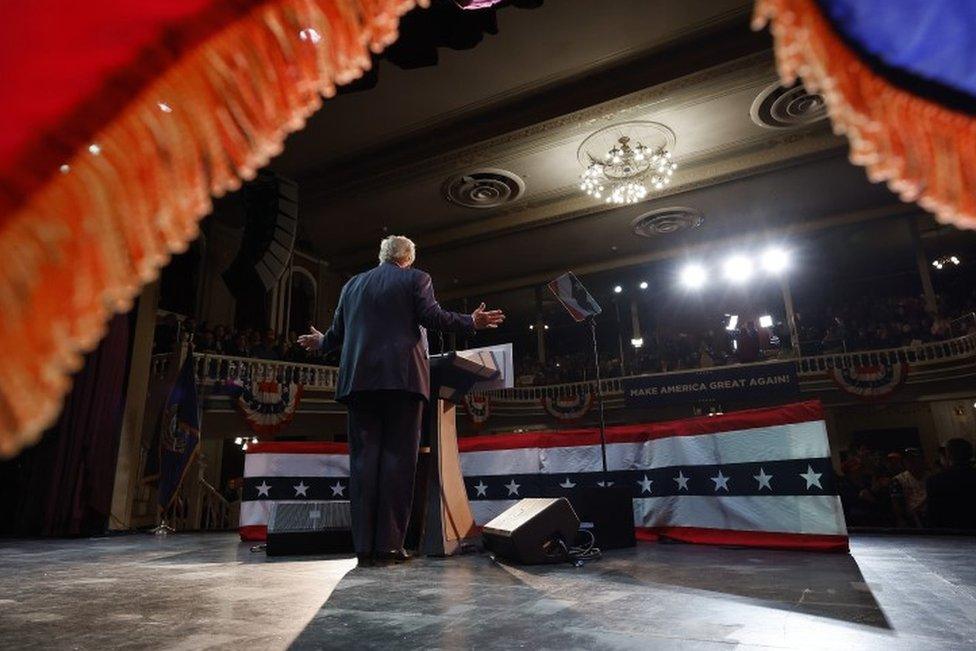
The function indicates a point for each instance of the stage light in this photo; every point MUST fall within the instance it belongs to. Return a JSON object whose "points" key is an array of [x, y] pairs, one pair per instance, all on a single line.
{"points": [[765, 321], [254, 440], [238, 441], [617, 289], [244, 447], [643, 284], [775, 260], [693, 276], [733, 322], [531, 326], [546, 327], [737, 269], [637, 342]]}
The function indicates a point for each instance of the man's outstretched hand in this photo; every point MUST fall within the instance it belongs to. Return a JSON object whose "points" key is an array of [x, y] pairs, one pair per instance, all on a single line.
{"points": [[486, 318], [311, 341]]}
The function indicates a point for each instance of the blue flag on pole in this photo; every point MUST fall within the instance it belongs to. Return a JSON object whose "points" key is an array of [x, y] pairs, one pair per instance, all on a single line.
{"points": [[179, 434]]}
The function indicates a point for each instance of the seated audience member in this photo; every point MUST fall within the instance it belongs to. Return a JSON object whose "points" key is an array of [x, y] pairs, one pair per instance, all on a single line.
{"points": [[221, 343], [865, 493], [952, 492], [204, 342], [908, 490], [266, 348], [240, 347]]}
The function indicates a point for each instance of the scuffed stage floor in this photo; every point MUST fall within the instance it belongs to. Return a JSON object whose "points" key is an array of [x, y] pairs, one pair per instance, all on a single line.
{"points": [[209, 591]]}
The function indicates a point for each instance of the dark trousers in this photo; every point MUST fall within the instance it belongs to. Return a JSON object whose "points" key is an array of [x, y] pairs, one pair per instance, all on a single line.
{"points": [[384, 437]]}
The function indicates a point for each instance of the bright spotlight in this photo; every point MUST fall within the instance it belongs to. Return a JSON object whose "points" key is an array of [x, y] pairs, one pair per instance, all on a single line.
{"points": [[546, 326], [617, 289], [637, 342], [693, 276], [643, 284], [775, 260], [737, 269], [765, 321], [531, 326], [733, 322]]}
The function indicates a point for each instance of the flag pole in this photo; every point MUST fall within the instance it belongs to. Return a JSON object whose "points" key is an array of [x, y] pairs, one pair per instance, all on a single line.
{"points": [[162, 528]]}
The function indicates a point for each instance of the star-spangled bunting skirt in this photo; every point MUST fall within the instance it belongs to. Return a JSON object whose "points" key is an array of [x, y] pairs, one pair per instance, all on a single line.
{"points": [[761, 477]]}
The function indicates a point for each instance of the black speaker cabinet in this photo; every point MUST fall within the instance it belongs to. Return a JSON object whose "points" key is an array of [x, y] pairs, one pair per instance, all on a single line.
{"points": [[270, 229], [608, 513], [309, 528], [528, 531]]}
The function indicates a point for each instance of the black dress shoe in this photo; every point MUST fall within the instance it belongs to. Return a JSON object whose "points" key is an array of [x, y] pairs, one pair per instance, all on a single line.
{"points": [[398, 556], [365, 560]]}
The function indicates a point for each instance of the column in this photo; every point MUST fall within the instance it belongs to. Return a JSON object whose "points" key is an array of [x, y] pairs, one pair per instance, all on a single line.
{"points": [[137, 390], [635, 322], [784, 285], [924, 272], [540, 327]]}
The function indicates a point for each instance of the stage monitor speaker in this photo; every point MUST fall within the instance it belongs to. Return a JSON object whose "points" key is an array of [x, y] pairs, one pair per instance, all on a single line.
{"points": [[607, 513], [530, 531], [270, 227], [309, 528]]}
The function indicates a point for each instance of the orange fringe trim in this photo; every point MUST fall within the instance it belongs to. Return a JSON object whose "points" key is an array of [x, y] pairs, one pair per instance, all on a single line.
{"points": [[925, 152], [82, 246]]}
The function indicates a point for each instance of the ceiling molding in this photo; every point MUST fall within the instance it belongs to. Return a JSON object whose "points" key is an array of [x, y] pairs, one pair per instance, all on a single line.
{"points": [[829, 221], [730, 41], [567, 203], [755, 70], [741, 15]]}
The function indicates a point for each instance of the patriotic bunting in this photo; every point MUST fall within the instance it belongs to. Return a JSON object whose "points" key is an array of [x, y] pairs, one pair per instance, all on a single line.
{"points": [[268, 405], [568, 408], [870, 382], [761, 477], [478, 408]]}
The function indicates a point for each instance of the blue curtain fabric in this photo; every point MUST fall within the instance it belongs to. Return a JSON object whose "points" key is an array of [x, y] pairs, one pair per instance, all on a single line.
{"points": [[933, 40]]}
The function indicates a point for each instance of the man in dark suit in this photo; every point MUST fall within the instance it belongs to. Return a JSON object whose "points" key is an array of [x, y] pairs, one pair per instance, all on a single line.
{"points": [[381, 324]]}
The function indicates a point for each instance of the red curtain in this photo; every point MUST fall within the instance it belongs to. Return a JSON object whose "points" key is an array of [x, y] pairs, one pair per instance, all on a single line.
{"points": [[63, 486]]}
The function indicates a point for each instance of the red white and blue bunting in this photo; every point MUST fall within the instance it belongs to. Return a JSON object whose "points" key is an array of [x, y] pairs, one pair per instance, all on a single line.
{"points": [[478, 408], [870, 382], [567, 409], [268, 405], [760, 478]]}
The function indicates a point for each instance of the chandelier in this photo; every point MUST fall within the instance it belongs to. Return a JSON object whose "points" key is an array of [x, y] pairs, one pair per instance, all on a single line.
{"points": [[621, 162]]}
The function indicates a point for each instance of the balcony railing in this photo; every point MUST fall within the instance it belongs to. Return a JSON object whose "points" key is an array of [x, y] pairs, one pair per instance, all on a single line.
{"points": [[807, 367], [212, 369], [209, 368]]}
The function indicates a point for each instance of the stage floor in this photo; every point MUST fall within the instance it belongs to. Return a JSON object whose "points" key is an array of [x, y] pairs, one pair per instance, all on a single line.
{"points": [[193, 591]]}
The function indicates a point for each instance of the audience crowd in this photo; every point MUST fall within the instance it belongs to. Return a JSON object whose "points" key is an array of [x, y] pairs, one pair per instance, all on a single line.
{"points": [[872, 324], [875, 323], [900, 489], [221, 340]]}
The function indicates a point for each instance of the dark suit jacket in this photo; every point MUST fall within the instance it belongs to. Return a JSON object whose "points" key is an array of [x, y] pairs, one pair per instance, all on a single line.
{"points": [[381, 324]]}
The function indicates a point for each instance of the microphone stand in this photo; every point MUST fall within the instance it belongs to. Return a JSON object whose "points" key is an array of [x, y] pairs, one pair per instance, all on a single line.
{"points": [[599, 398]]}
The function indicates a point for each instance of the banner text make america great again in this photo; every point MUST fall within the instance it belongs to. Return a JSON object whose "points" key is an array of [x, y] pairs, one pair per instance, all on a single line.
{"points": [[770, 381]]}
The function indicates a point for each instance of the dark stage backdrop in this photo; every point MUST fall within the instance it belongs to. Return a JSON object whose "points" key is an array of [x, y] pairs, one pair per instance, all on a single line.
{"points": [[63, 485]]}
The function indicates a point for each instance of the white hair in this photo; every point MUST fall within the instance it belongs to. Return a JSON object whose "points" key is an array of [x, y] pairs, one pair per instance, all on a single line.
{"points": [[398, 250]]}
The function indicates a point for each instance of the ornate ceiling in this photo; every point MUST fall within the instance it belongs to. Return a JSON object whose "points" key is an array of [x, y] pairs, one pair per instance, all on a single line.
{"points": [[498, 126]]}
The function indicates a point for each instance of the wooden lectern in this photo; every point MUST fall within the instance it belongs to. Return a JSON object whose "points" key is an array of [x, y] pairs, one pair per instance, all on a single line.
{"points": [[447, 521]]}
